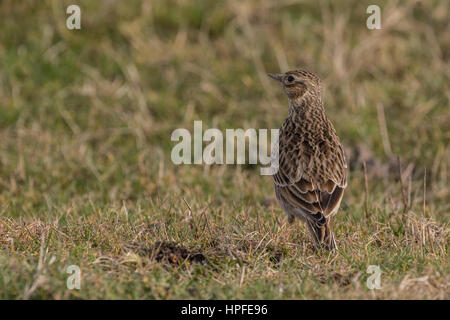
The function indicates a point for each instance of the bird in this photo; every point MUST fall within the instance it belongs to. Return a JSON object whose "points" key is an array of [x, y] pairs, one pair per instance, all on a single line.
{"points": [[312, 170]]}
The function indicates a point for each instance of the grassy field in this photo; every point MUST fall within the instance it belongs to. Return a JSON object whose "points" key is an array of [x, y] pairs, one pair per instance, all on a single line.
{"points": [[86, 176]]}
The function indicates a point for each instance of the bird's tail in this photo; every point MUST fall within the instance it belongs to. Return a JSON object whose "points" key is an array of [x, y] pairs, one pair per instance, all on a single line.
{"points": [[321, 233]]}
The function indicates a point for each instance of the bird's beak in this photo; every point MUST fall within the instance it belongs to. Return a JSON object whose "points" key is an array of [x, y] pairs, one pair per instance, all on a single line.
{"points": [[275, 76]]}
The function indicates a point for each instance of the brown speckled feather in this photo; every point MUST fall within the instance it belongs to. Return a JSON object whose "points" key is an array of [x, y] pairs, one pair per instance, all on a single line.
{"points": [[311, 177], [312, 167]]}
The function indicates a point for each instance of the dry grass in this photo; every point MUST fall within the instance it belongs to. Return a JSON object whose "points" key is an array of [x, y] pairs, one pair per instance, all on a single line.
{"points": [[85, 170]]}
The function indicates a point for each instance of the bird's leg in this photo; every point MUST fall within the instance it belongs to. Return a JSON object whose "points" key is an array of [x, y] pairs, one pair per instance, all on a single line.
{"points": [[329, 241]]}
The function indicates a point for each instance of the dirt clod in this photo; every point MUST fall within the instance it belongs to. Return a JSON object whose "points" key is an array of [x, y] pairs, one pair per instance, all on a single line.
{"points": [[169, 252]]}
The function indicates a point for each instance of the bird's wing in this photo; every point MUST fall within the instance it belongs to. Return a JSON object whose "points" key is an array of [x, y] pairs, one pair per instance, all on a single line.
{"points": [[311, 177]]}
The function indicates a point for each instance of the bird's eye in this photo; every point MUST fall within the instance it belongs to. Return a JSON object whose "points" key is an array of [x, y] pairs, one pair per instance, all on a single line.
{"points": [[290, 79]]}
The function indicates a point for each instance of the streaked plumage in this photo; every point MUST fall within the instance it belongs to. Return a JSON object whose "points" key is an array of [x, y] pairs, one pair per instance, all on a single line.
{"points": [[312, 173]]}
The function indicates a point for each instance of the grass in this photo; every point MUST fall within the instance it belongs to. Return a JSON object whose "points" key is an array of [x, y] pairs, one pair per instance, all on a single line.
{"points": [[86, 177]]}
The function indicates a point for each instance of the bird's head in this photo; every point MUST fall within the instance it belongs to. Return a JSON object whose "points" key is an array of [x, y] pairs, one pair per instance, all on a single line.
{"points": [[298, 83]]}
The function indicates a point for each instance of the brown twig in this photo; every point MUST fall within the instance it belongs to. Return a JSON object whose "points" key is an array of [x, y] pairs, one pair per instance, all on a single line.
{"points": [[405, 202], [366, 189], [425, 192], [383, 130]]}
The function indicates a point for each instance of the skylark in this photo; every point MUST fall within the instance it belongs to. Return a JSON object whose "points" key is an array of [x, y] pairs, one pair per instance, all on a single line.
{"points": [[312, 175]]}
